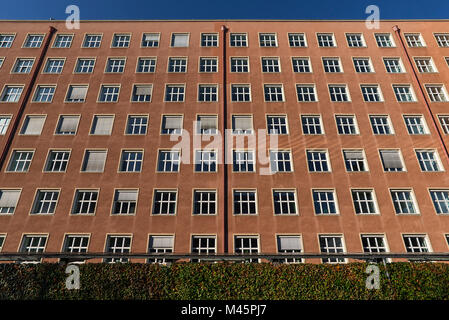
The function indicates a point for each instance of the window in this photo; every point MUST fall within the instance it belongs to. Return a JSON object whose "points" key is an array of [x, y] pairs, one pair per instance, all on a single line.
{"points": [[208, 65], [245, 202], [33, 243], [203, 245], [240, 93], [271, 65], [281, 161], [44, 93], [284, 202], [374, 243], [142, 93], [205, 161], [273, 93], [33, 41], [425, 65], [355, 40], [85, 202], [23, 65], [371, 93], [381, 125], [115, 65], [20, 161], [171, 124], [277, 125], [324, 202], [440, 199], [444, 121], [117, 244], [317, 161], [429, 160], [354, 160], [339, 93], [246, 245], [164, 202], [4, 124], [137, 125], [416, 124], [332, 65], [63, 41], [33, 125], [125, 201], [76, 243], [311, 124], [404, 93], [67, 124], [204, 202], [11, 93], [207, 93], [384, 40], [180, 40], [121, 41], [332, 244], [306, 93], [442, 39], [177, 64], [289, 244], [391, 160], [207, 124], [109, 93], [301, 65], [326, 40], [94, 161], [238, 40], [102, 125], [267, 40], [243, 161], [416, 243], [414, 40], [363, 65], [393, 65], [297, 40], [92, 41], [437, 93], [146, 65], [364, 201], [76, 93], [209, 40], [404, 201], [174, 93], [346, 124], [239, 65], [1, 61], [168, 161], [131, 161], [6, 40], [242, 124], [160, 244], [57, 161], [8, 200], [45, 202], [54, 66], [150, 40]]}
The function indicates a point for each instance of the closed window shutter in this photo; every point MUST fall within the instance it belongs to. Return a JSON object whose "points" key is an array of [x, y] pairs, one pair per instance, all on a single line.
{"points": [[289, 243], [208, 122], [8, 198], [161, 242], [102, 125], [126, 195], [95, 161], [391, 159], [353, 155], [242, 123], [33, 125], [143, 90], [151, 37], [173, 122], [68, 124], [180, 40], [78, 93]]}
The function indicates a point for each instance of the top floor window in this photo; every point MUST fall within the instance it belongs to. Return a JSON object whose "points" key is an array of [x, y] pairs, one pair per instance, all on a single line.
{"points": [[209, 40], [355, 40], [267, 40], [326, 40], [238, 40], [180, 40], [121, 41], [150, 40], [297, 40], [33, 41]]}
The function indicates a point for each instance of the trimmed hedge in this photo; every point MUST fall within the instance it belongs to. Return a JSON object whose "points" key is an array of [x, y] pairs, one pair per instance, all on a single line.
{"points": [[224, 281]]}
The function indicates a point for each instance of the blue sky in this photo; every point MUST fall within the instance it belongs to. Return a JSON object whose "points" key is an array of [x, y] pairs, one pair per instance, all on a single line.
{"points": [[228, 9]]}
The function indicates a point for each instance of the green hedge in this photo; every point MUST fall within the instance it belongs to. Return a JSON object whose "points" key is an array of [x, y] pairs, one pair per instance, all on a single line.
{"points": [[224, 281]]}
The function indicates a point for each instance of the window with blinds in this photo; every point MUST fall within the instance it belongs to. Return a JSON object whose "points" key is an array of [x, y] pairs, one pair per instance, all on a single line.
{"points": [[102, 125], [392, 160], [242, 124], [142, 93], [160, 244], [150, 40], [207, 124], [94, 161], [125, 202], [67, 124], [76, 94], [171, 124], [289, 244], [354, 160], [8, 200], [33, 125], [180, 40]]}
